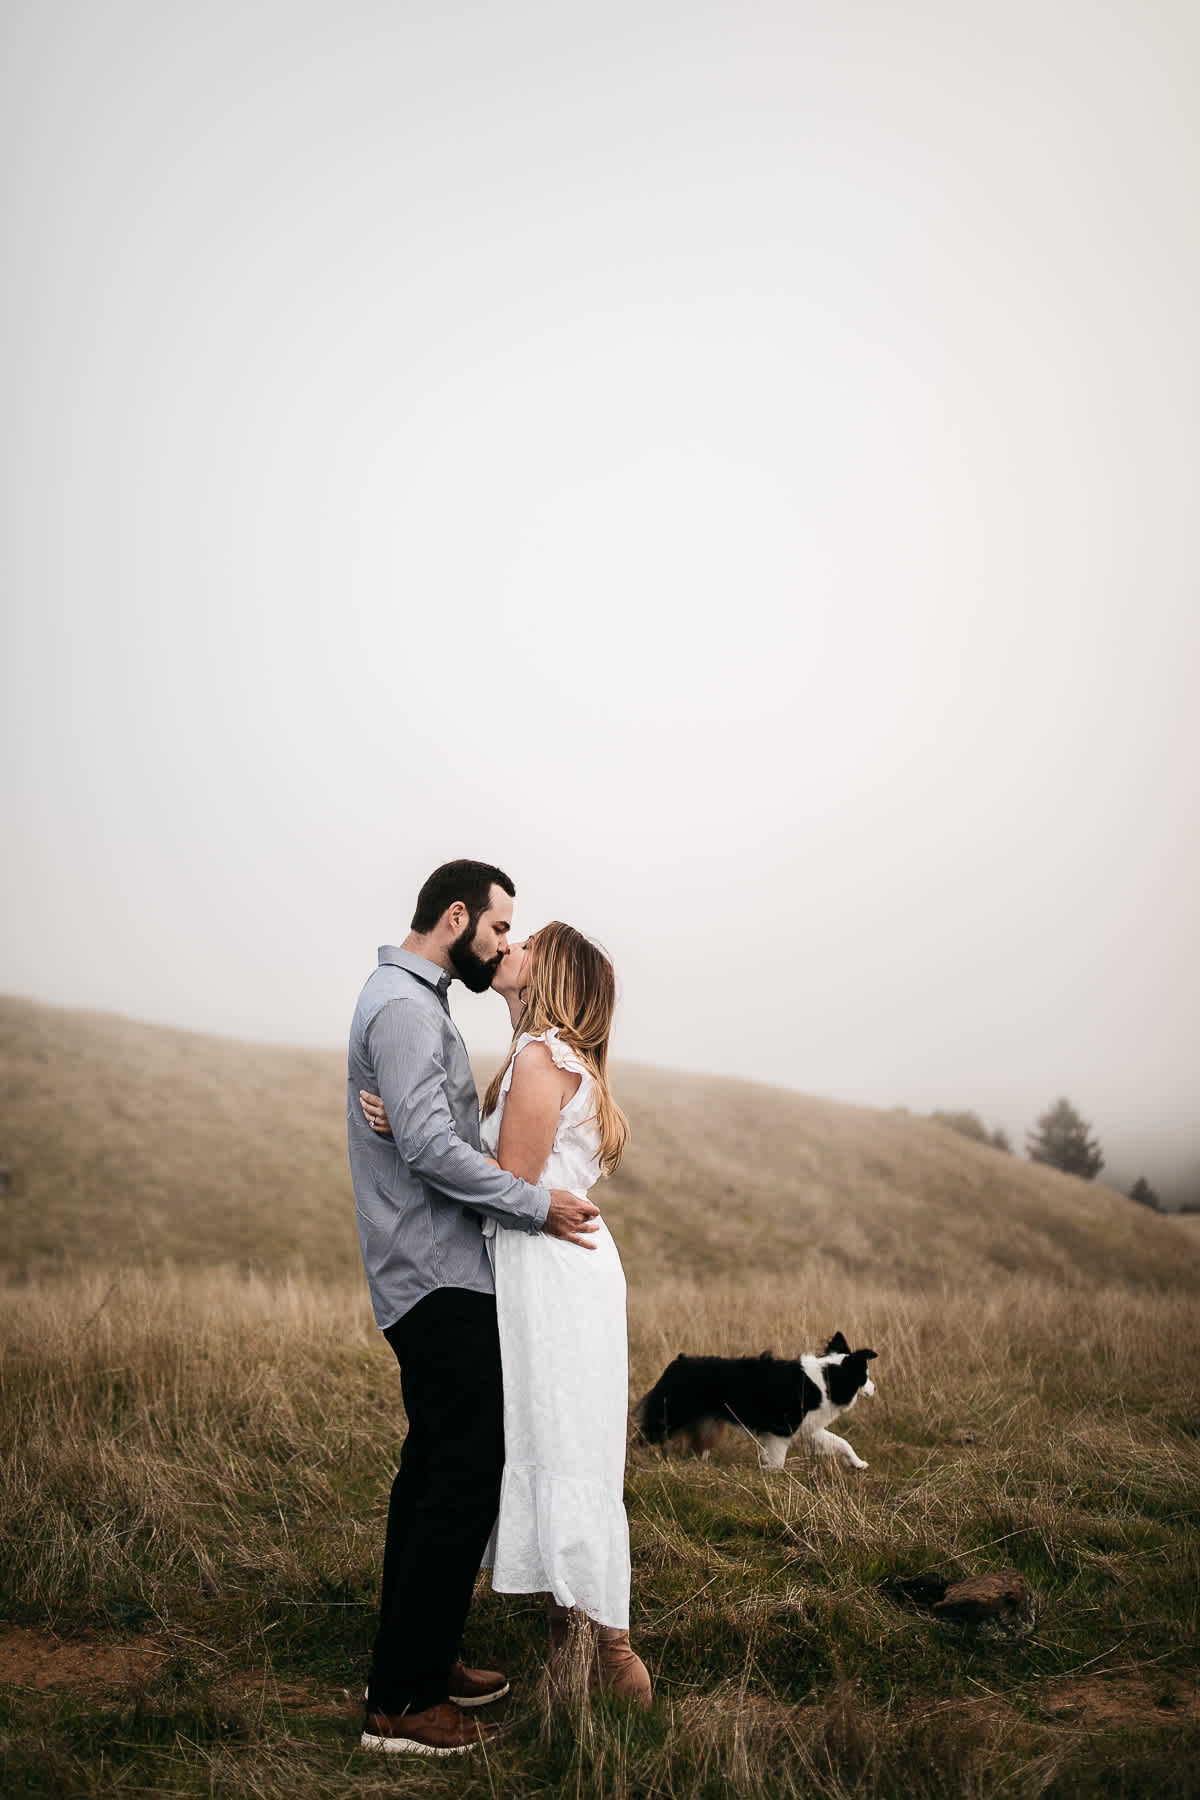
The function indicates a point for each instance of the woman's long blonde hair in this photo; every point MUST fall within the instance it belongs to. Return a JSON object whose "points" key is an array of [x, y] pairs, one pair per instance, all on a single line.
{"points": [[571, 985]]}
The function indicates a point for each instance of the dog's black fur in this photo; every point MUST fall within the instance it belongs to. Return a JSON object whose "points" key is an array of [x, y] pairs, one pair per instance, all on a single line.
{"points": [[758, 1392], [695, 1396]]}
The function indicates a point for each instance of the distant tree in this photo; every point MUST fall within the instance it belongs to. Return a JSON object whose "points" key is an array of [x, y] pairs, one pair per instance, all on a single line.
{"points": [[1000, 1140], [1144, 1194], [1060, 1139]]}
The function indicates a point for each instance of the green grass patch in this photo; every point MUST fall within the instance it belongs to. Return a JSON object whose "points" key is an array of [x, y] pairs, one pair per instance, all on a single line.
{"points": [[205, 1471]]}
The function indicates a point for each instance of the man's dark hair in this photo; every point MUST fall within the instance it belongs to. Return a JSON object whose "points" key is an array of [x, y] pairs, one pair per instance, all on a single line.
{"points": [[470, 882]]}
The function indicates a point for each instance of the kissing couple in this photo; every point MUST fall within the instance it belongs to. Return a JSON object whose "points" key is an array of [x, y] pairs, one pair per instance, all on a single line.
{"points": [[500, 1290]]}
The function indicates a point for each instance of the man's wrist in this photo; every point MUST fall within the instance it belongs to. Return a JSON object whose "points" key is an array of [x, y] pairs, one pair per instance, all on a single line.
{"points": [[543, 1208]]}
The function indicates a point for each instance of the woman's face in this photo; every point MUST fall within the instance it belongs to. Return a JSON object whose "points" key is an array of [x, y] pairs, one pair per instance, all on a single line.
{"points": [[512, 975]]}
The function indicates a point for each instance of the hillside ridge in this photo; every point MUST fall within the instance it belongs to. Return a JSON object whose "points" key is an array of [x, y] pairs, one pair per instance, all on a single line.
{"points": [[131, 1142]]}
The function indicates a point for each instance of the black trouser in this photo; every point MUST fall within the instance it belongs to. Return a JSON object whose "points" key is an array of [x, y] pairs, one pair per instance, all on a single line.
{"points": [[445, 1496]]}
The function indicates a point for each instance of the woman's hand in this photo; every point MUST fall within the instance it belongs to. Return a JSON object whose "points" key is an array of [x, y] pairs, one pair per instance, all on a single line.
{"points": [[374, 1112]]}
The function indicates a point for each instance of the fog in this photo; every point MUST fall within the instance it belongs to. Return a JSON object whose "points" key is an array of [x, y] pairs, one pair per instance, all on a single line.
{"points": [[734, 467]]}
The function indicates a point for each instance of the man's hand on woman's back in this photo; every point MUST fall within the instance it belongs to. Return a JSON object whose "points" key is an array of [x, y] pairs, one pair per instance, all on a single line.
{"points": [[570, 1218]]}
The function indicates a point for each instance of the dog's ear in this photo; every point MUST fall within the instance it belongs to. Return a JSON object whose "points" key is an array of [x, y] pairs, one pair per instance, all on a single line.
{"points": [[837, 1346], [867, 1355]]}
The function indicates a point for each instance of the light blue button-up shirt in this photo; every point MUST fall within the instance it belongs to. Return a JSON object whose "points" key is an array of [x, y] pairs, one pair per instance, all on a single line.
{"points": [[420, 1193]]}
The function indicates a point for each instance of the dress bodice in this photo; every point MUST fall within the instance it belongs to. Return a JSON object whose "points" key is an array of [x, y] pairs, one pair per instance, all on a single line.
{"points": [[574, 1160]]}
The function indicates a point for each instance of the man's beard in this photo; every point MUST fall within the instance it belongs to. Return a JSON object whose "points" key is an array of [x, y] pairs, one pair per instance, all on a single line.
{"points": [[471, 970]]}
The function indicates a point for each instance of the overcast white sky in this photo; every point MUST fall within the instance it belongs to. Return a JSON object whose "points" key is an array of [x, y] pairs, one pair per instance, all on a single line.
{"points": [[734, 466]]}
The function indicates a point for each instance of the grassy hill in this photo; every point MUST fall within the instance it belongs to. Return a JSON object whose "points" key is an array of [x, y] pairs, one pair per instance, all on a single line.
{"points": [[195, 1461], [131, 1142]]}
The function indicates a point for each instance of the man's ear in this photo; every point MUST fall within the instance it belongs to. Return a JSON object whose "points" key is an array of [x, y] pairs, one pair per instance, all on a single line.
{"points": [[455, 916]]}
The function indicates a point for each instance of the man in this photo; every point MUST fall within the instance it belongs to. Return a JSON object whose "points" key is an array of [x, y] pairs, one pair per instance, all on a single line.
{"points": [[419, 1195]]}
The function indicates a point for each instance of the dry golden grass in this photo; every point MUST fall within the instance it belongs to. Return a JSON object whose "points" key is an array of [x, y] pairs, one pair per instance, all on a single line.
{"points": [[127, 1142], [194, 1465], [198, 1423]]}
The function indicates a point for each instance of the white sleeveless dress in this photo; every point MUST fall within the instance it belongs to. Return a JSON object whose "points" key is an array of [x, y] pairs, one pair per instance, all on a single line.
{"points": [[563, 1345]]}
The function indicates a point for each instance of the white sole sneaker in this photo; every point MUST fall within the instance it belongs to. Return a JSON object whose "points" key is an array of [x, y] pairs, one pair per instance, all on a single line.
{"points": [[400, 1745]]}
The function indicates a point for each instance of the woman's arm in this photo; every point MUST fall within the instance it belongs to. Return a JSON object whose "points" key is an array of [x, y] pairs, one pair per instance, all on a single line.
{"points": [[537, 1093]]}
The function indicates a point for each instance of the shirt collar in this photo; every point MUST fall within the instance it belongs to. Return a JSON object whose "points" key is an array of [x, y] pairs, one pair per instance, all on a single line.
{"points": [[420, 966]]}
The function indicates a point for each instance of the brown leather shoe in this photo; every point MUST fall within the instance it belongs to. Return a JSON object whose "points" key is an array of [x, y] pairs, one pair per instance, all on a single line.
{"points": [[441, 1730], [476, 1687]]}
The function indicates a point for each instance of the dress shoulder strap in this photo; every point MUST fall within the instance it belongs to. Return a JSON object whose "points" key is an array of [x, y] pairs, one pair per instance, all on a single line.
{"points": [[562, 1054]]}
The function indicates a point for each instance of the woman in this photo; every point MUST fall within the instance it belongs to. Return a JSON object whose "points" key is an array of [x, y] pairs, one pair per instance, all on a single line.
{"points": [[549, 1116]]}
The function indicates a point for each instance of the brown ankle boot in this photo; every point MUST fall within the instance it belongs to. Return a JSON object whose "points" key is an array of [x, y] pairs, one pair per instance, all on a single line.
{"points": [[622, 1672]]}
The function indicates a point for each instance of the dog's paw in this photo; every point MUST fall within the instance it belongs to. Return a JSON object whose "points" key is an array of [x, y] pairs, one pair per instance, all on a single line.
{"points": [[856, 1462]]}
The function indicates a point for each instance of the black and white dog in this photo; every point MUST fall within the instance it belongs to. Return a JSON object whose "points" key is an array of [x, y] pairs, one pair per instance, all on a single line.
{"points": [[696, 1397]]}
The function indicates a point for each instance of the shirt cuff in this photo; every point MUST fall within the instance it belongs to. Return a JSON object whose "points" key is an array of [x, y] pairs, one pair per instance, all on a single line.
{"points": [[543, 1207]]}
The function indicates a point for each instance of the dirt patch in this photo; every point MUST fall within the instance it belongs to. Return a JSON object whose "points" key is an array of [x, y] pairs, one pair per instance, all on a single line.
{"points": [[38, 1659], [307, 1697], [1121, 1699], [96, 1667]]}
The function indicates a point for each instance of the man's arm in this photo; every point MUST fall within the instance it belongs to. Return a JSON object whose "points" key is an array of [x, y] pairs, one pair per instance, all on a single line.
{"points": [[405, 1044]]}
